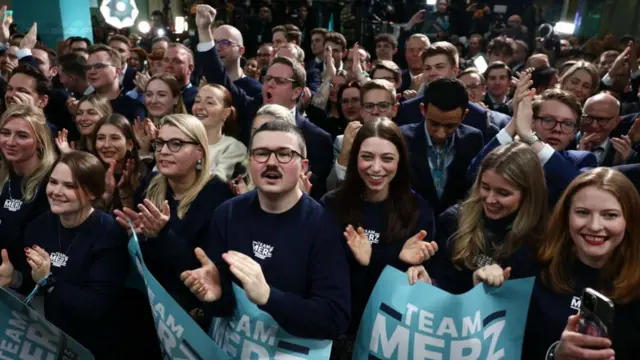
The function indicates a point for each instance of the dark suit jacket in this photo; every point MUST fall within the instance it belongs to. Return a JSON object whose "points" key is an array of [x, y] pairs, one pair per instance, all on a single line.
{"points": [[406, 81], [467, 143], [501, 108], [319, 145], [129, 78], [632, 172], [409, 113], [314, 79], [559, 171], [189, 97]]}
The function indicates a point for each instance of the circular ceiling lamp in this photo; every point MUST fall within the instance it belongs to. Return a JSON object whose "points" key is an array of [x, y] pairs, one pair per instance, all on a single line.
{"points": [[119, 13]]}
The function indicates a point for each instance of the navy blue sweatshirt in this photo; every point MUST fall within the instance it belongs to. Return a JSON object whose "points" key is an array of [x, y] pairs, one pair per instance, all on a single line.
{"points": [[15, 215], [458, 281], [88, 285], [302, 258], [549, 311], [172, 252], [384, 251]]}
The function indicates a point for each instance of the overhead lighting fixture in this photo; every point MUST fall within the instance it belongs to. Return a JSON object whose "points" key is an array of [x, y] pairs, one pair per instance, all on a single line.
{"points": [[179, 24], [432, 2], [144, 27], [565, 28], [119, 13]]}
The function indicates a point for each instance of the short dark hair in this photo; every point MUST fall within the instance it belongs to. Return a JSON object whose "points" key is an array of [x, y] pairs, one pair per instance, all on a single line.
{"points": [[50, 54], [388, 38], [291, 32], [502, 45], [121, 38], [447, 94], [442, 48], [542, 77], [498, 65], [43, 85], [160, 38], [114, 56], [73, 39], [73, 64], [470, 71], [282, 126], [87, 171], [319, 31], [336, 37], [299, 73]]}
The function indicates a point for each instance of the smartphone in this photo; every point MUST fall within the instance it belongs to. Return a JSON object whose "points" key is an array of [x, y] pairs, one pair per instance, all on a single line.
{"points": [[596, 314]]}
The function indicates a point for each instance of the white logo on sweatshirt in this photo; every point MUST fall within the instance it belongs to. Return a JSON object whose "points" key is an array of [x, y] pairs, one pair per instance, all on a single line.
{"points": [[575, 303], [262, 251], [373, 236]]}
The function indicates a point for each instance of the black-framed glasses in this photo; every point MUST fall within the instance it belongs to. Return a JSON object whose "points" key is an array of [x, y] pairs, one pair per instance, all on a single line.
{"points": [[174, 145], [279, 80], [602, 121], [382, 106], [225, 43], [567, 127], [283, 155]]}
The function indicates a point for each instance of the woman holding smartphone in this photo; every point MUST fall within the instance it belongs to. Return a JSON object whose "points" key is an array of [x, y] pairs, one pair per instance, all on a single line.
{"points": [[593, 241]]}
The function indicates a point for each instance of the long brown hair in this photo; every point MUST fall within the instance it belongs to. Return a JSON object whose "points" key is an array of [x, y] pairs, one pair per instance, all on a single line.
{"points": [[619, 279], [520, 165], [176, 91], [401, 203]]}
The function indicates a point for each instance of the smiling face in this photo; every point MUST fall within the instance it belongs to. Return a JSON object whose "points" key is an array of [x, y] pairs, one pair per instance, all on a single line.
{"points": [[273, 177], [158, 99], [208, 107], [18, 141], [23, 84], [500, 198], [64, 195], [182, 162], [111, 144], [350, 104], [87, 117], [377, 165], [579, 84], [596, 224]]}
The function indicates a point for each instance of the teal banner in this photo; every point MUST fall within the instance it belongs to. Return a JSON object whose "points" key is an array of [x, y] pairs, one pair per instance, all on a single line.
{"points": [[402, 321], [253, 334], [180, 336], [27, 335]]}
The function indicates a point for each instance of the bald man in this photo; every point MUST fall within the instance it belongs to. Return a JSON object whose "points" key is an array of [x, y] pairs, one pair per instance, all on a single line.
{"points": [[230, 46], [600, 116], [537, 61]]}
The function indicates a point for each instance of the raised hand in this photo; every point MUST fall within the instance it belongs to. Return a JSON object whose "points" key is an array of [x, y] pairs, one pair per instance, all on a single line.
{"points": [[418, 273], [634, 131], [145, 132], [124, 185], [141, 81], [347, 141], [205, 281], [31, 38], [72, 105], [417, 18], [151, 219], [329, 64], [62, 143], [305, 182], [238, 186], [127, 216], [623, 148], [250, 274], [416, 251], [5, 34], [39, 261], [587, 141], [574, 345], [492, 275], [110, 183], [7, 272], [205, 16], [359, 244]]}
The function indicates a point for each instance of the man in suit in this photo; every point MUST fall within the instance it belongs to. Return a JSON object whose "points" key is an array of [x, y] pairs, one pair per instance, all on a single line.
{"points": [[317, 50], [283, 85], [476, 87], [498, 76], [178, 61], [231, 48], [632, 172], [556, 119], [128, 75], [441, 147], [599, 119]]}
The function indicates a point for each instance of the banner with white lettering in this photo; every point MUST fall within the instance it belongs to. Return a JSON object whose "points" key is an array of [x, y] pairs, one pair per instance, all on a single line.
{"points": [[27, 335], [402, 321], [252, 334], [180, 336]]}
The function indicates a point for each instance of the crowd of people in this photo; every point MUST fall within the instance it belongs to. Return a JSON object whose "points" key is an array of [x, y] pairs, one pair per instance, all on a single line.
{"points": [[301, 176]]}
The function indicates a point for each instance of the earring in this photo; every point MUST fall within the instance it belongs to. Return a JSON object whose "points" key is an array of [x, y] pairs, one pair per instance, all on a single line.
{"points": [[199, 165]]}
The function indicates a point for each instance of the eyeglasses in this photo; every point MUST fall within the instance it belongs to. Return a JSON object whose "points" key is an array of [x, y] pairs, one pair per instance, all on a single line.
{"points": [[174, 145], [567, 127], [225, 43], [279, 80], [602, 121], [382, 106], [98, 66], [283, 155]]}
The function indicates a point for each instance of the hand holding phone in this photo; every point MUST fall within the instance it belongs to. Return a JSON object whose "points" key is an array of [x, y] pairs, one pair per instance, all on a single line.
{"points": [[596, 314]]}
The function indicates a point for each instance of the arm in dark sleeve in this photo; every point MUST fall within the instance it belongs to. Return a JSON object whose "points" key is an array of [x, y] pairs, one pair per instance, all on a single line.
{"points": [[314, 79], [560, 172], [107, 276], [325, 313], [26, 57], [477, 161]]}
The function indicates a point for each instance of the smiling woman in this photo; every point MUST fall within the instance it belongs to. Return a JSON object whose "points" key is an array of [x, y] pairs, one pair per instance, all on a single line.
{"points": [[162, 96]]}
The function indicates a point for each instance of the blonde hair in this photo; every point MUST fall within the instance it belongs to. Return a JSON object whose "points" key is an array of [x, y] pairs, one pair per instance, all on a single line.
{"points": [[518, 164], [45, 151], [193, 128], [278, 112], [589, 68], [102, 106]]}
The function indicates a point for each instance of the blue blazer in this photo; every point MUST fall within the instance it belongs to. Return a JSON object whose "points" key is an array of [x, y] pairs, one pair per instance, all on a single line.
{"points": [[319, 144], [409, 113], [467, 143], [129, 78], [559, 171]]}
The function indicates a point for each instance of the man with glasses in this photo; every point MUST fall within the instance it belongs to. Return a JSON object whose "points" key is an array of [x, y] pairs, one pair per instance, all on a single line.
{"points": [[278, 244], [556, 119], [230, 46], [378, 100], [283, 84], [473, 80], [600, 117], [103, 72]]}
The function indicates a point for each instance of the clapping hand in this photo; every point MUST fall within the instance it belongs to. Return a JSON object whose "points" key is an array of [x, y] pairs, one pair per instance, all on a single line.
{"points": [[7, 272], [39, 261], [416, 251], [250, 274], [238, 186], [623, 148], [31, 38], [587, 141], [205, 281], [418, 273], [330, 64], [492, 275], [128, 218], [62, 143], [305, 182], [151, 219], [359, 244]]}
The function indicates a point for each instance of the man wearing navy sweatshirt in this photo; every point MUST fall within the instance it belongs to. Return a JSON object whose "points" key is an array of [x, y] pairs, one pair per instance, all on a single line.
{"points": [[283, 85], [278, 244]]}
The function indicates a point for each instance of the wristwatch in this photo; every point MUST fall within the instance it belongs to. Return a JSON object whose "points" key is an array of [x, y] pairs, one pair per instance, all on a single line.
{"points": [[530, 139]]}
